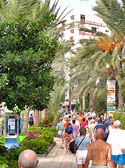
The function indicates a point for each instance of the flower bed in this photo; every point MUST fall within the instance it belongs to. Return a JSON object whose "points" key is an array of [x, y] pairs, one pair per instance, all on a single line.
{"points": [[38, 139]]}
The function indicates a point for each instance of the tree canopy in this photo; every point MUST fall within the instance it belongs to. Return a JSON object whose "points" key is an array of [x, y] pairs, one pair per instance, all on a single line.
{"points": [[26, 54]]}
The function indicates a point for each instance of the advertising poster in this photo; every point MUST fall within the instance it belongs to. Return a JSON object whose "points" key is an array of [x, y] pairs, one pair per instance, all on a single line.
{"points": [[11, 123], [111, 95]]}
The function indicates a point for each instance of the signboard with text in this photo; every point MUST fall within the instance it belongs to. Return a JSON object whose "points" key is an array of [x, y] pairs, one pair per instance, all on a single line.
{"points": [[111, 95]]}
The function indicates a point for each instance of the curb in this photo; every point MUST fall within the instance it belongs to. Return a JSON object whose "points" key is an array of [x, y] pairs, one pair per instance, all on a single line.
{"points": [[48, 150]]}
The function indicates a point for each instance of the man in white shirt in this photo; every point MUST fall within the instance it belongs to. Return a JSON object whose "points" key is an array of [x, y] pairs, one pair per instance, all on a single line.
{"points": [[117, 143]]}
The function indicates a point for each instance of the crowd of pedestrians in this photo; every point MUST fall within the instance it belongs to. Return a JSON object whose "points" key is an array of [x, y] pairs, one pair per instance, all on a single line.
{"points": [[99, 141]]}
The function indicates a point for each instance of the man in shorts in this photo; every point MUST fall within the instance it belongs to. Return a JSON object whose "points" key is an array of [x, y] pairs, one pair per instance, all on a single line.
{"points": [[59, 129], [81, 144], [99, 152], [117, 140]]}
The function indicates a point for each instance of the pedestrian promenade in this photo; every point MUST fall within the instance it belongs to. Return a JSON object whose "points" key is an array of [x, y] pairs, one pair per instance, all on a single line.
{"points": [[57, 158]]}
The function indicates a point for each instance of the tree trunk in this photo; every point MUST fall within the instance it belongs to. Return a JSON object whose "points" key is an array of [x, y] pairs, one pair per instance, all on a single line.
{"points": [[40, 116], [92, 101], [25, 123], [37, 118], [55, 121], [84, 105], [120, 93]]}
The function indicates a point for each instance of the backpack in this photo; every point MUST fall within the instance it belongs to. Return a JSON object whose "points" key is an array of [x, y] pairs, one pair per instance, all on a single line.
{"points": [[71, 146], [31, 119], [31, 122], [69, 129]]}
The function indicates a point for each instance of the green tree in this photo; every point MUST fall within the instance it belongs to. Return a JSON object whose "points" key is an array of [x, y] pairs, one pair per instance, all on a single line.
{"points": [[29, 42], [59, 65], [85, 74], [26, 55], [32, 9], [91, 60], [112, 13]]}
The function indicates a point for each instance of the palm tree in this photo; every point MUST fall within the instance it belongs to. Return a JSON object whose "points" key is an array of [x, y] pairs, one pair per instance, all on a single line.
{"points": [[57, 96], [31, 9], [85, 72], [112, 13], [60, 63], [91, 60]]}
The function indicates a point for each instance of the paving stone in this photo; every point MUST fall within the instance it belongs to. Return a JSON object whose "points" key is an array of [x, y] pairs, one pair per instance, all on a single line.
{"points": [[57, 158]]}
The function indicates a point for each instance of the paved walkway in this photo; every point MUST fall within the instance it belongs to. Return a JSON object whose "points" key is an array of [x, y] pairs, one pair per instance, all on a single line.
{"points": [[57, 158]]}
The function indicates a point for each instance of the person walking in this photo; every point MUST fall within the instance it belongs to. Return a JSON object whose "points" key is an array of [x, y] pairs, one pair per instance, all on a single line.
{"points": [[59, 129], [99, 152], [117, 140], [81, 144], [67, 131], [28, 159], [75, 129], [84, 123], [31, 122], [91, 126]]}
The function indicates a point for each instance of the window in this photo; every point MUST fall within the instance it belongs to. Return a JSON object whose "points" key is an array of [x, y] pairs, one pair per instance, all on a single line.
{"points": [[72, 17], [82, 18], [71, 24], [72, 30], [107, 31], [80, 32], [94, 29]]}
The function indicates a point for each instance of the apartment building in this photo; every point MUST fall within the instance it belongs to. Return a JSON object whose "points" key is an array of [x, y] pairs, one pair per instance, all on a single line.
{"points": [[78, 19]]}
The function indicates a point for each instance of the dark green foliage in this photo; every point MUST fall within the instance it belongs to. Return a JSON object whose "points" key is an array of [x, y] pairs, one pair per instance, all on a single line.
{"points": [[9, 158], [86, 104], [101, 106], [41, 139], [49, 117], [3, 162], [39, 142], [2, 143], [26, 54], [53, 130], [34, 128], [48, 121]]}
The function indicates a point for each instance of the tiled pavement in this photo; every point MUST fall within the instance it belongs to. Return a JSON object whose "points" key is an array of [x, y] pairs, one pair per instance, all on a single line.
{"points": [[57, 158]]}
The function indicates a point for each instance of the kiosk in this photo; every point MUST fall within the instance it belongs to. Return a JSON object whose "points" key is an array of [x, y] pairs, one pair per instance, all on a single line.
{"points": [[10, 127]]}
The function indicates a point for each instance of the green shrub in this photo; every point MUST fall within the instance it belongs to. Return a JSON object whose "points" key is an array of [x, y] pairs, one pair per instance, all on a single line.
{"points": [[2, 144], [34, 128], [47, 122], [39, 145], [48, 135], [9, 159], [50, 117], [54, 131], [3, 162], [121, 117], [39, 139]]}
